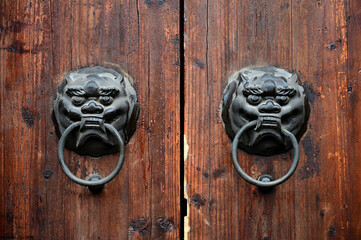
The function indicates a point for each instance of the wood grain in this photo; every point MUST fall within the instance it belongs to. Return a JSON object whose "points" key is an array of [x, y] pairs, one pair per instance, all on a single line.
{"points": [[39, 42], [307, 37], [42, 40], [354, 101]]}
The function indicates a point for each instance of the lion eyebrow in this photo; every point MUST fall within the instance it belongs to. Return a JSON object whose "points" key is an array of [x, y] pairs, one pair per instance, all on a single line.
{"points": [[110, 91], [79, 91], [252, 91], [286, 91]]}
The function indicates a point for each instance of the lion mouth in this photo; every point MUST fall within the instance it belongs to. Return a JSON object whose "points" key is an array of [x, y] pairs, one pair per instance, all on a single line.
{"points": [[268, 127], [92, 123], [92, 128], [268, 122]]}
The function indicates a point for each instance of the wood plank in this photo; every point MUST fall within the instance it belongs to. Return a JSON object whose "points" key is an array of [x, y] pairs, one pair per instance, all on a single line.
{"points": [[320, 58], [354, 101], [224, 36], [40, 42]]}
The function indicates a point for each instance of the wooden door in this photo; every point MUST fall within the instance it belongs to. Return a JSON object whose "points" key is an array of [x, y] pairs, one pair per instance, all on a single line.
{"points": [[40, 42], [318, 40], [178, 180]]}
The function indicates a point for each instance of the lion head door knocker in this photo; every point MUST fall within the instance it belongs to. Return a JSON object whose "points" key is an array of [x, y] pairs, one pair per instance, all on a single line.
{"points": [[265, 112], [95, 112]]}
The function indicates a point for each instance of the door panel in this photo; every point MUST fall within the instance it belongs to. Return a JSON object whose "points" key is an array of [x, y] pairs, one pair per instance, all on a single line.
{"points": [[40, 42], [309, 38], [354, 112]]}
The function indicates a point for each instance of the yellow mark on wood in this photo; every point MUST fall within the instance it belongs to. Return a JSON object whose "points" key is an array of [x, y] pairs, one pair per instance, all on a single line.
{"points": [[186, 148], [187, 227], [207, 222]]}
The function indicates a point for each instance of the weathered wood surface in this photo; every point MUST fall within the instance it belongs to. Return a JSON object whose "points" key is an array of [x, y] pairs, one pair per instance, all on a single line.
{"points": [[354, 107], [42, 40], [322, 199], [39, 42]]}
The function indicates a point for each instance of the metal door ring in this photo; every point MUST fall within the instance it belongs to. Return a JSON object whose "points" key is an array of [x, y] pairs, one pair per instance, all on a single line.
{"points": [[258, 183], [91, 183]]}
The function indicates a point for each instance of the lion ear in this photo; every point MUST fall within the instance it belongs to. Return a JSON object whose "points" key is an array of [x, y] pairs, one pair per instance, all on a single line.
{"points": [[243, 78], [120, 78], [294, 78]]}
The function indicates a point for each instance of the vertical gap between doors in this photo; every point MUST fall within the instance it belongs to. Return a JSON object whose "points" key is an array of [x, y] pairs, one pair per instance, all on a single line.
{"points": [[183, 201]]}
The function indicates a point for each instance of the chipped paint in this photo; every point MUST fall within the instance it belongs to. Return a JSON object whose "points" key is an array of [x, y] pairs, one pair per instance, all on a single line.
{"points": [[187, 227], [207, 222], [186, 148]]}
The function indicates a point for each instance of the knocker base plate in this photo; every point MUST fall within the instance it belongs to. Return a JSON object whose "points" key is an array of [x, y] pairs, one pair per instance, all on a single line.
{"points": [[265, 111], [95, 178], [95, 96], [270, 95], [95, 113]]}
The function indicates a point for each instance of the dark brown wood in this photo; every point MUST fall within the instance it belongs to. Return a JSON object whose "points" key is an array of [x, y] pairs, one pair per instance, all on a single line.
{"points": [[321, 201], [39, 42], [353, 19], [310, 38]]}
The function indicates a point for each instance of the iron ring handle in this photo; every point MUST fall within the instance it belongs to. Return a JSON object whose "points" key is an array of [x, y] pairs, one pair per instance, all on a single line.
{"points": [[253, 181], [89, 183]]}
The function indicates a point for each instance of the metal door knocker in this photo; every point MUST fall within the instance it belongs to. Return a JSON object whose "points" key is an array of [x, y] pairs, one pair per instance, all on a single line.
{"points": [[95, 112], [265, 111]]}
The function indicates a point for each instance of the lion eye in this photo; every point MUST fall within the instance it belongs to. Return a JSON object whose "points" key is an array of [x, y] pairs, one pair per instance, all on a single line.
{"points": [[282, 100], [253, 99], [77, 101], [106, 100]]}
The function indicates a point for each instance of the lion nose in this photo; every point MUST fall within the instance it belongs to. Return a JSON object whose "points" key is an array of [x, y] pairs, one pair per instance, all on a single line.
{"points": [[269, 107], [92, 107]]}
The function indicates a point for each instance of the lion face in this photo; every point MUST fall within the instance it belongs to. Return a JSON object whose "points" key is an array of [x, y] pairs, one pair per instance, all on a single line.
{"points": [[270, 95], [94, 96]]}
